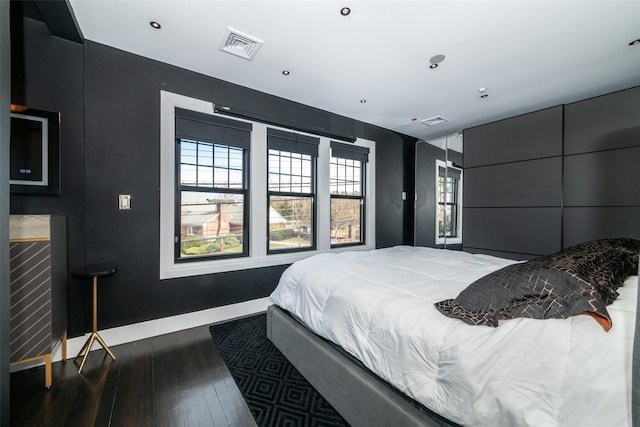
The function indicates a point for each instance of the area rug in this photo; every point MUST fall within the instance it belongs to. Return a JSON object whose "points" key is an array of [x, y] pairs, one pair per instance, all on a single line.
{"points": [[276, 393]]}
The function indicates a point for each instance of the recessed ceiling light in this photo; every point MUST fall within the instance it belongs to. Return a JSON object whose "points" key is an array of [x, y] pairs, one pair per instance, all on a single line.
{"points": [[435, 60], [363, 101], [285, 72], [345, 11], [155, 25], [482, 89], [635, 42]]}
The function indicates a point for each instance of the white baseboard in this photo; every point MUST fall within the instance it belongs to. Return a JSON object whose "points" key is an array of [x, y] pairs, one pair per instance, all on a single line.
{"points": [[153, 328]]}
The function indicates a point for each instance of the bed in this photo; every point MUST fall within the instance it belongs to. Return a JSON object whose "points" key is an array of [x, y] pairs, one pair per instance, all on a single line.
{"points": [[370, 331]]}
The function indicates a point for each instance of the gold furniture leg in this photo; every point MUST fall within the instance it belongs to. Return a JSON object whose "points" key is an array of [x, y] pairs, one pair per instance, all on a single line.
{"points": [[64, 346], [86, 348], [48, 378]]}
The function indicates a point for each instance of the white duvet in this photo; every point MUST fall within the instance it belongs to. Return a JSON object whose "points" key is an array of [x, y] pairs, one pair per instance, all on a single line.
{"points": [[378, 305]]}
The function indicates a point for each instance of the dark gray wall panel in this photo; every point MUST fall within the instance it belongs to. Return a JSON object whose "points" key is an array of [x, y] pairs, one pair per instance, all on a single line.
{"points": [[583, 224], [605, 178], [389, 187], [602, 123], [519, 184], [408, 219], [530, 136], [534, 231]]}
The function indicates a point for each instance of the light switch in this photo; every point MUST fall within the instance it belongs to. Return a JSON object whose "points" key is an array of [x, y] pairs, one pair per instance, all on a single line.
{"points": [[124, 201]]}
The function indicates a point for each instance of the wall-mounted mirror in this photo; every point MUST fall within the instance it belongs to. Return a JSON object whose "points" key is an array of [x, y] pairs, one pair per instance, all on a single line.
{"points": [[438, 199]]}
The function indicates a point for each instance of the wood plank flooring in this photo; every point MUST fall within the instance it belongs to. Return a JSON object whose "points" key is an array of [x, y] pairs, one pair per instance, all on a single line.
{"points": [[176, 379]]}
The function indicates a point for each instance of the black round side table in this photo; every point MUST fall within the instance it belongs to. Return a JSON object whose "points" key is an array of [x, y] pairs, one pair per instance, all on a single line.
{"points": [[93, 272]]}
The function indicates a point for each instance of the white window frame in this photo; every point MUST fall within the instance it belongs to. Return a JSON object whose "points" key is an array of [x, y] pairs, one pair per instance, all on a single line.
{"points": [[448, 240], [258, 227]]}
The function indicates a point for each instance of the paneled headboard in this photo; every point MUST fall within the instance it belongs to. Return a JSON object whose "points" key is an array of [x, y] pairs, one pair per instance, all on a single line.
{"points": [[546, 180]]}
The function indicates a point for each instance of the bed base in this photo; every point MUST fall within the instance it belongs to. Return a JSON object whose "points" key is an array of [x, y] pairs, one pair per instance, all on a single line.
{"points": [[361, 398]]}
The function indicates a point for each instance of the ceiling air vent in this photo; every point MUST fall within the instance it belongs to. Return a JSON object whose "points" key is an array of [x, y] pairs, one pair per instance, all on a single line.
{"points": [[239, 44], [432, 121]]}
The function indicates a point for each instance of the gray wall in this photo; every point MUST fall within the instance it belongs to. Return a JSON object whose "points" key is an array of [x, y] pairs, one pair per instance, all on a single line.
{"points": [[47, 75], [109, 100], [513, 186], [601, 173], [546, 180]]}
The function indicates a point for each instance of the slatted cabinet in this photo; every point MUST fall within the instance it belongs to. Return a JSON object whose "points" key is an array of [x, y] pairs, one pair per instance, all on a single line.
{"points": [[38, 288]]}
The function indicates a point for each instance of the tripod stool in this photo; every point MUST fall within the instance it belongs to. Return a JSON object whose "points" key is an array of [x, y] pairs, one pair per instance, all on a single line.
{"points": [[93, 272]]}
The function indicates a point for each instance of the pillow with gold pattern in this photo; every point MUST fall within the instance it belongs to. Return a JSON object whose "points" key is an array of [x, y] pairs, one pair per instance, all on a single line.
{"points": [[581, 279]]}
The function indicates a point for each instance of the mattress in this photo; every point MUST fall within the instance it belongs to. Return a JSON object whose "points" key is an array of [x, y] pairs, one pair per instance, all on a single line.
{"points": [[379, 307]]}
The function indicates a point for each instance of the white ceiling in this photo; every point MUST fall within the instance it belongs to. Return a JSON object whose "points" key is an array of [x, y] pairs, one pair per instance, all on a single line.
{"points": [[528, 54]]}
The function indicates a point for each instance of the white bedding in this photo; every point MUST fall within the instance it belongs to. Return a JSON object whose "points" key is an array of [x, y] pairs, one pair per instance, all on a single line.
{"points": [[378, 305]]}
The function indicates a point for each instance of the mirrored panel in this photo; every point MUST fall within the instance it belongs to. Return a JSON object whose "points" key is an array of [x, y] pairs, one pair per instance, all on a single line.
{"points": [[439, 178]]}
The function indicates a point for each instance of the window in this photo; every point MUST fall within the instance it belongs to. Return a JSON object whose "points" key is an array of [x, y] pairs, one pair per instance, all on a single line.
{"points": [[448, 197], [347, 171], [211, 201], [291, 191], [228, 185]]}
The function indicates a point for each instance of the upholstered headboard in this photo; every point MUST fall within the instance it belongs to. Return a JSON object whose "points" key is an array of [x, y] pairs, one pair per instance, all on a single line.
{"points": [[544, 181], [635, 375]]}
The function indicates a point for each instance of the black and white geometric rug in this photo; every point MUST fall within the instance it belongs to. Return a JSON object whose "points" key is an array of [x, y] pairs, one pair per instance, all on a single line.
{"points": [[277, 395]]}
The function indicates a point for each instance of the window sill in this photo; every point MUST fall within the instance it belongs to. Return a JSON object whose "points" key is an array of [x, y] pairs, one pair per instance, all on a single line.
{"points": [[186, 269]]}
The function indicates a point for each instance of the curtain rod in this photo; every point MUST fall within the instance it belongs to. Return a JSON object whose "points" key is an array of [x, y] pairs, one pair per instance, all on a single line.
{"points": [[248, 116]]}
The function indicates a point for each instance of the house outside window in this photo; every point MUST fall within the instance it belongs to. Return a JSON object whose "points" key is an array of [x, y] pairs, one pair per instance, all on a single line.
{"points": [[211, 201], [291, 191], [347, 188]]}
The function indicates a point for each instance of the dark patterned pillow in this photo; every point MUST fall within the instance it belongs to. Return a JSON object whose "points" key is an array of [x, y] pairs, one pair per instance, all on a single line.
{"points": [[580, 279], [605, 263]]}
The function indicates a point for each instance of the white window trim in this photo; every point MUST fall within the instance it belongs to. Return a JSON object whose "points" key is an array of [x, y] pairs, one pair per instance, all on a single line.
{"points": [[446, 240], [258, 226]]}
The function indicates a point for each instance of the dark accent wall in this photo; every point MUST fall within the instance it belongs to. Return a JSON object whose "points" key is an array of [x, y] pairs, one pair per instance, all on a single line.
{"points": [[110, 133], [47, 74], [513, 186], [547, 180], [409, 187], [601, 173], [581, 159]]}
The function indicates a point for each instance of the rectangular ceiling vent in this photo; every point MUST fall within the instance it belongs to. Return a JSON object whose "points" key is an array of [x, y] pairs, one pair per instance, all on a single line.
{"points": [[239, 44], [432, 121]]}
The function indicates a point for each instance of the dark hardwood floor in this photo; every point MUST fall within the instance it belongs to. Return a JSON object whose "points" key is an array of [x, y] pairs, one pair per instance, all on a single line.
{"points": [[177, 379]]}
